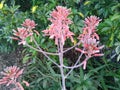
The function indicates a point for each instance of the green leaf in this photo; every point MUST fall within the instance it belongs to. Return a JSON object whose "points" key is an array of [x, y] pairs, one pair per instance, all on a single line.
{"points": [[87, 2], [79, 88], [51, 69], [44, 83], [26, 58], [118, 58], [117, 49], [109, 22], [105, 29], [114, 17]]}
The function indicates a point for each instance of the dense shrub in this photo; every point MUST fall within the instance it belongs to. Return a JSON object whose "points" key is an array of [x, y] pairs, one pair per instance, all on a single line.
{"points": [[10, 17]]}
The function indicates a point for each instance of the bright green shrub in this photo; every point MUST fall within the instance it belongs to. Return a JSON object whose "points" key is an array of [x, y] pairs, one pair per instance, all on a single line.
{"points": [[10, 17]]}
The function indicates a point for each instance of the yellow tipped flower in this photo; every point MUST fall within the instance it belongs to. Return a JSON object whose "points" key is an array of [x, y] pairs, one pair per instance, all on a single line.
{"points": [[1, 4], [87, 2], [81, 14], [34, 9]]}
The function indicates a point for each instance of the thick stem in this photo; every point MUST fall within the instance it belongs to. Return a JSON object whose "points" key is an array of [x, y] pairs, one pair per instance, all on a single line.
{"points": [[63, 78], [60, 50]]}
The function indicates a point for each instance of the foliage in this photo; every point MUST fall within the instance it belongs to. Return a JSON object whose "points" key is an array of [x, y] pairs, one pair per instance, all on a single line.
{"points": [[44, 76], [10, 18], [101, 8], [110, 30], [97, 77]]}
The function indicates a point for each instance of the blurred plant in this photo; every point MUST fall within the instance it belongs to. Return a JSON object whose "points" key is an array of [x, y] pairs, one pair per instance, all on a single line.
{"points": [[59, 31]]}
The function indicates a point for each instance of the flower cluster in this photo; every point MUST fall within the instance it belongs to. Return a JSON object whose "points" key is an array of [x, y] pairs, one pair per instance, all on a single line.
{"points": [[29, 24], [11, 75], [26, 31], [59, 29], [90, 39], [22, 34]]}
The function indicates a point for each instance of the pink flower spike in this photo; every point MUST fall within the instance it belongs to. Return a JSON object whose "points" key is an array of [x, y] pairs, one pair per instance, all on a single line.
{"points": [[11, 75], [59, 29], [21, 34], [92, 21], [29, 24], [91, 46], [89, 38]]}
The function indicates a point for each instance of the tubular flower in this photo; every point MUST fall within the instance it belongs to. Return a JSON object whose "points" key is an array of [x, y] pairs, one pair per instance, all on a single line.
{"points": [[21, 34], [91, 48], [91, 22], [59, 29], [29, 24]]}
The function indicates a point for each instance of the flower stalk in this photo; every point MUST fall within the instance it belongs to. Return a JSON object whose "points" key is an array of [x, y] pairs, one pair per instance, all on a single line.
{"points": [[59, 31], [60, 48]]}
